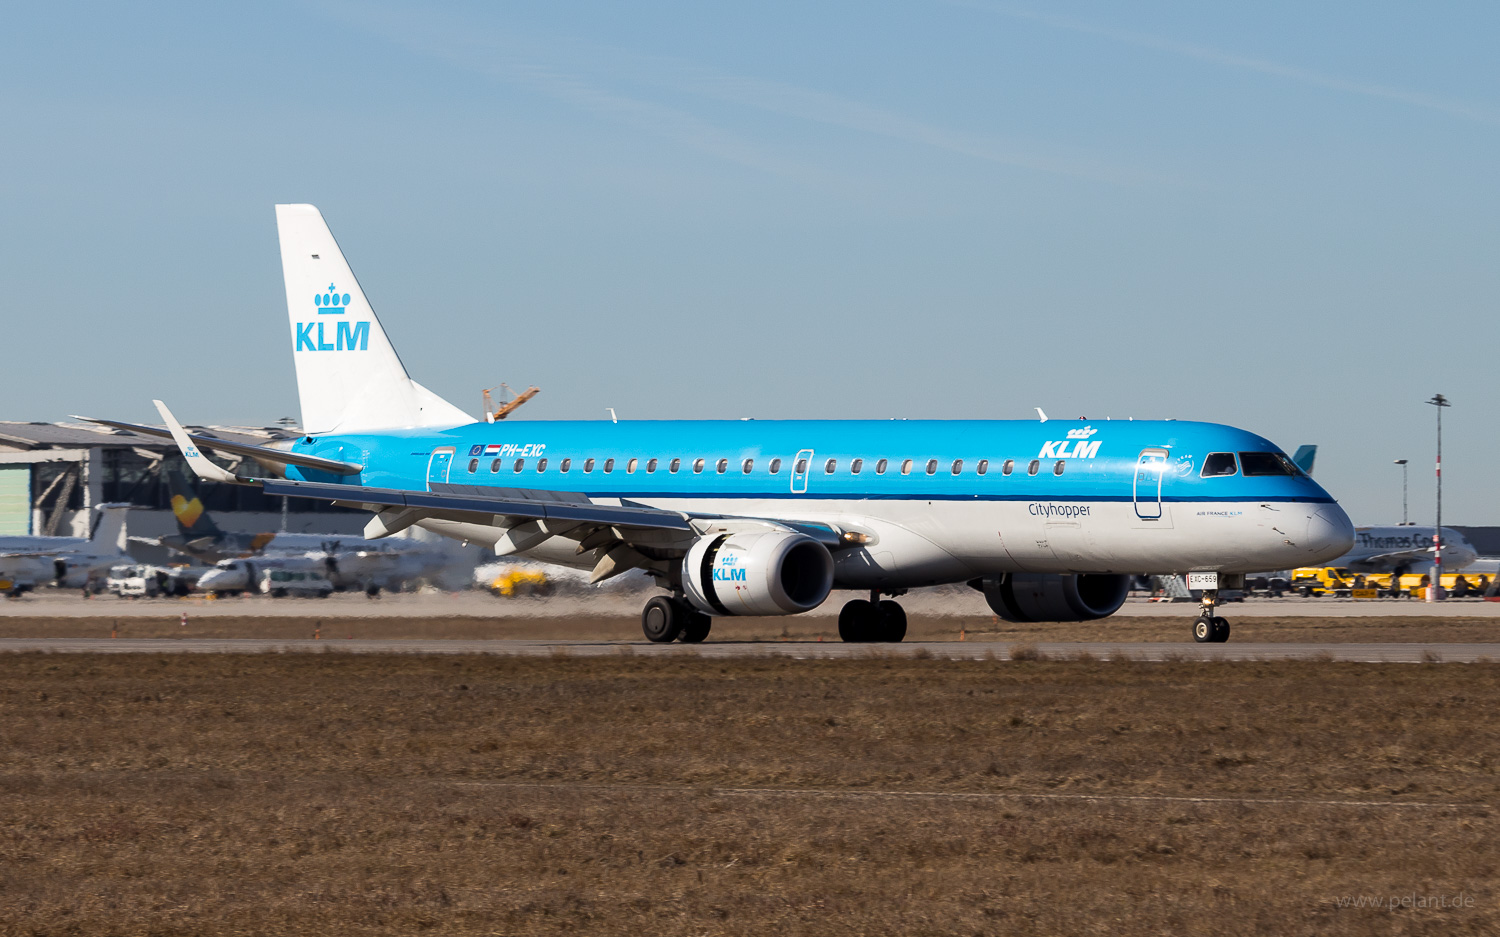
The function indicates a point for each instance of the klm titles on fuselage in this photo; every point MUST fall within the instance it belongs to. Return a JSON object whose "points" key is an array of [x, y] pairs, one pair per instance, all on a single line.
{"points": [[1076, 446], [347, 336]]}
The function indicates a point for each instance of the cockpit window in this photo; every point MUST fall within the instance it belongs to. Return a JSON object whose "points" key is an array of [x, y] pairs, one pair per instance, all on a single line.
{"points": [[1219, 463], [1267, 463]]}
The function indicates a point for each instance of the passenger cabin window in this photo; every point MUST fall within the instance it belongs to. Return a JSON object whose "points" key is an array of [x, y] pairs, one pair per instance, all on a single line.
{"points": [[520, 464], [588, 465], [856, 465], [775, 466], [801, 466], [630, 466], [747, 466], [609, 466], [541, 465], [697, 466], [982, 467], [1061, 465], [650, 466], [722, 466], [932, 466], [906, 467], [830, 466], [564, 465], [1032, 468], [1008, 466], [674, 465], [494, 466], [880, 466], [958, 466], [1218, 463], [1267, 463], [473, 466]]}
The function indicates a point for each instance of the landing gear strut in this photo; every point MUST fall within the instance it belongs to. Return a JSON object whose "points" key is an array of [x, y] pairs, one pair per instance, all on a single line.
{"points": [[870, 620], [1210, 628], [665, 620]]}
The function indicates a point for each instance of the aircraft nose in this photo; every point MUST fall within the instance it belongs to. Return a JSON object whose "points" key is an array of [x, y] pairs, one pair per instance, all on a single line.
{"points": [[1330, 533]]}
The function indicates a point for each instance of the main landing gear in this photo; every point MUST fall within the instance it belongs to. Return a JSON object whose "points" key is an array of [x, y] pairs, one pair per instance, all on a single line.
{"points": [[1210, 628], [870, 620], [667, 619]]}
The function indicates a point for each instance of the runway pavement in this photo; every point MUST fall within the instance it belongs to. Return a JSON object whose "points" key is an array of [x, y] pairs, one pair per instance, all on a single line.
{"points": [[936, 603], [802, 650]]}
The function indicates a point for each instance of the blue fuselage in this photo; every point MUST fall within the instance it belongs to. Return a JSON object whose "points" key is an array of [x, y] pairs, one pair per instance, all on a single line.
{"points": [[980, 496]]}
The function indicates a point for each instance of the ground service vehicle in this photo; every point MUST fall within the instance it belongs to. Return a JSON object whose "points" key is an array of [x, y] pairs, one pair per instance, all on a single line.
{"points": [[302, 583], [132, 581], [514, 583]]}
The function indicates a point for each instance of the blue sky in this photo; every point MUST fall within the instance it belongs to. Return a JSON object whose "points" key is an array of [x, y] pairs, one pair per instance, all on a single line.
{"points": [[1281, 216]]}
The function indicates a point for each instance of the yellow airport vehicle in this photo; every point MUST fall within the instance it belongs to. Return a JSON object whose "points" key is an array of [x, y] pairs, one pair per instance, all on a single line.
{"points": [[1328, 580], [1344, 583], [514, 583]]}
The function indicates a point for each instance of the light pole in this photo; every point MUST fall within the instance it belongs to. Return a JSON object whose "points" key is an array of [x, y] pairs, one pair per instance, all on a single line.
{"points": [[1435, 589], [1402, 463]]}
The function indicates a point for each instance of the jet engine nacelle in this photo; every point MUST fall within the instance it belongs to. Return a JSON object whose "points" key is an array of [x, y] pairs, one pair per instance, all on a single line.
{"points": [[757, 573], [1052, 597]]}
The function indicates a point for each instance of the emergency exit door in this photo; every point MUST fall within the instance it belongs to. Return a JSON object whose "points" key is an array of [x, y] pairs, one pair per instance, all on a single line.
{"points": [[801, 465], [438, 465]]}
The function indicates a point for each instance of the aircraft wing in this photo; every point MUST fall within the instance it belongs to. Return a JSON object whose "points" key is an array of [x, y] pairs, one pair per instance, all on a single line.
{"points": [[265, 453], [480, 504], [619, 537], [1398, 558]]}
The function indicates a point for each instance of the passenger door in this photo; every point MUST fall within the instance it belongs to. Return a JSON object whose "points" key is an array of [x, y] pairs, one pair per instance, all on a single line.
{"points": [[1150, 466], [438, 465], [801, 466]]}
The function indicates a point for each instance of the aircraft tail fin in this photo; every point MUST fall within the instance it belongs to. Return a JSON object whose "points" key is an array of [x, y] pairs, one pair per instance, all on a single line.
{"points": [[349, 377], [109, 528], [1304, 458], [193, 521]]}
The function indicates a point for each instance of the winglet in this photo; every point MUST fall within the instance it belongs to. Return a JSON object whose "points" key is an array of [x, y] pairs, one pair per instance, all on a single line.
{"points": [[205, 469], [1041, 414]]}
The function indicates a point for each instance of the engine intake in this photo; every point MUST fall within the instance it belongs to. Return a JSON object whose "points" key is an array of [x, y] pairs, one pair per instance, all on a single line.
{"points": [[1051, 597], [757, 573]]}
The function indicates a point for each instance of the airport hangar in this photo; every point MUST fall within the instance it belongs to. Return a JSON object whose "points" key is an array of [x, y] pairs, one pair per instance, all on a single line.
{"points": [[53, 474]]}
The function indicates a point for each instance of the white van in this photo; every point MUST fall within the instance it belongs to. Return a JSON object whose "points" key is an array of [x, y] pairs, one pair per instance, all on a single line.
{"points": [[133, 582], [279, 583]]}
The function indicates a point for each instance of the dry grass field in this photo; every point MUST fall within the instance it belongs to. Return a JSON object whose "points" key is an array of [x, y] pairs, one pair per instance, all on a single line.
{"points": [[340, 794], [1173, 626]]}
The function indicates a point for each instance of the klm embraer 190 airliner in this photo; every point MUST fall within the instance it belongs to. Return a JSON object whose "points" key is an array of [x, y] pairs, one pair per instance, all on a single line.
{"points": [[1048, 519]]}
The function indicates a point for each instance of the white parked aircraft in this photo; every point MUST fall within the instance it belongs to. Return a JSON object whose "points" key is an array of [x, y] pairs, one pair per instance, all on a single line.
{"points": [[66, 561], [349, 562], [1404, 549]]}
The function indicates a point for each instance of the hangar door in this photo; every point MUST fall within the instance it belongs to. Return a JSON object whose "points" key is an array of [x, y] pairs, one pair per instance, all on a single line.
{"points": [[15, 500]]}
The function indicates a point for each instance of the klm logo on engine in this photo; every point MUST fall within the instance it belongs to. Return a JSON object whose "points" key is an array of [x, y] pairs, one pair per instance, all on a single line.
{"points": [[1076, 446], [727, 569], [346, 335]]}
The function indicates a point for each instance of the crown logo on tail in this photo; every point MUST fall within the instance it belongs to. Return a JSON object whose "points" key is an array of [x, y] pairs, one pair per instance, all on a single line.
{"points": [[331, 303]]}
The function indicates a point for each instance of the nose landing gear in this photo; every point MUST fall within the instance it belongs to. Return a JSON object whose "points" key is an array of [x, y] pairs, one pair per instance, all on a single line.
{"points": [[1210, 628]]}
